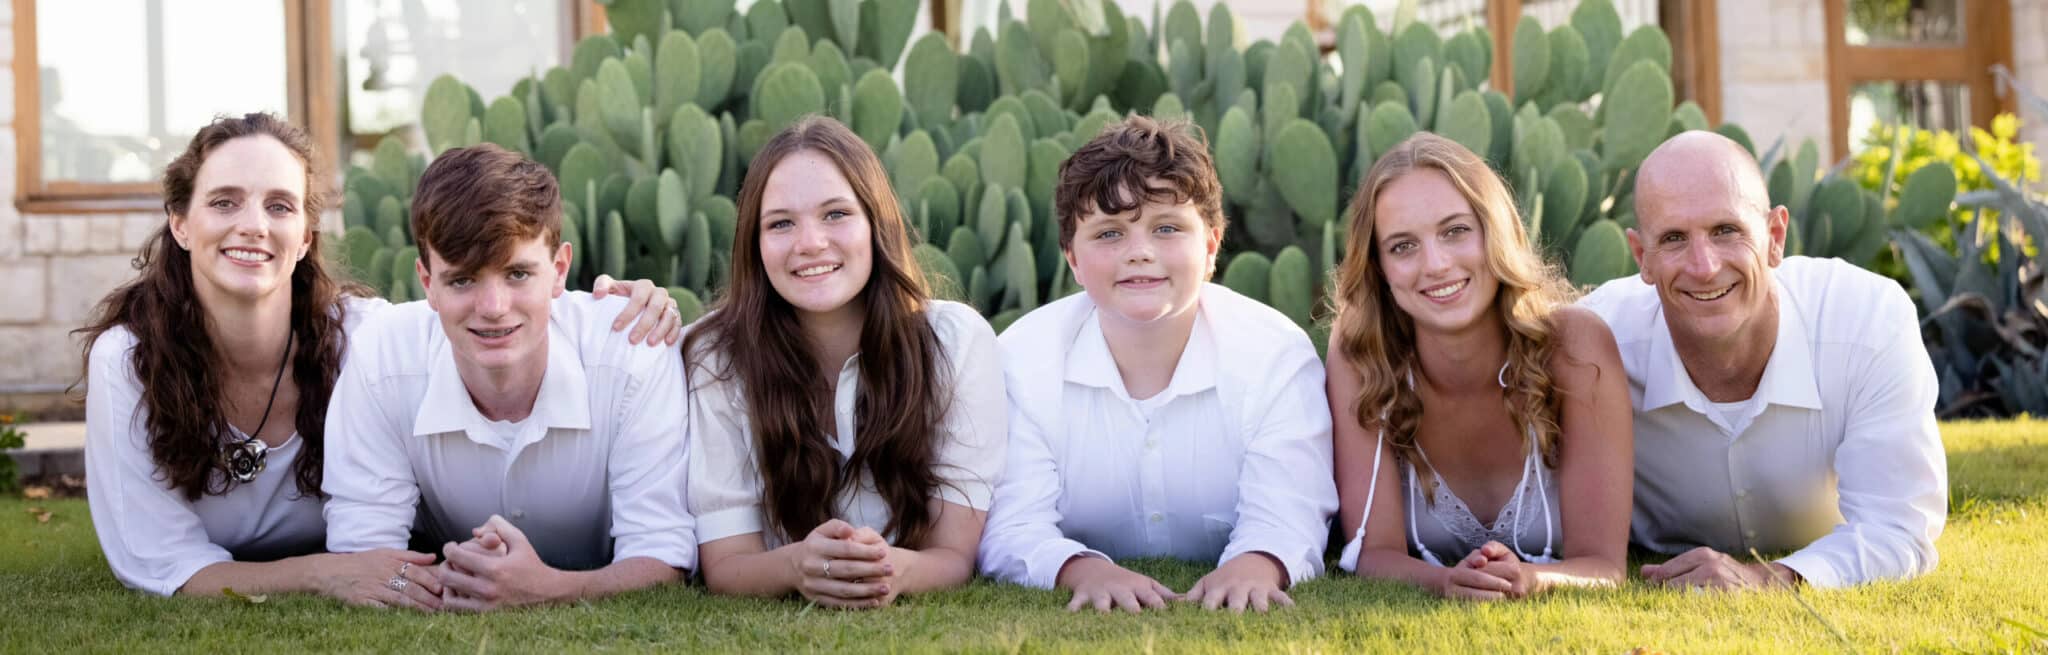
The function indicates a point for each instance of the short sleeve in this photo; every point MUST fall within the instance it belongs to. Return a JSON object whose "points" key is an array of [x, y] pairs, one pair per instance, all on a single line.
{"points": [[723, 480]]}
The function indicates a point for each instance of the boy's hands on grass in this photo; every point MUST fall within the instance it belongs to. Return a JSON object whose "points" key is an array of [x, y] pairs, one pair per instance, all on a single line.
{"points": [[842, 566], [1102, 584], [1497, 560], [1249, 580], [498, 568], [1707, 568]]}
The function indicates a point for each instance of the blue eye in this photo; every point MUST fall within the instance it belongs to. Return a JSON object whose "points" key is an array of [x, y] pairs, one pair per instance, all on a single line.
{"points": [[1169, 229], [519, 276], [1109, 234]]}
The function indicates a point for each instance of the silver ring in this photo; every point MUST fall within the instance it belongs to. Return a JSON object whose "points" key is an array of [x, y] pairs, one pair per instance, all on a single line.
{"points": [[828, 568], [398, 582]]}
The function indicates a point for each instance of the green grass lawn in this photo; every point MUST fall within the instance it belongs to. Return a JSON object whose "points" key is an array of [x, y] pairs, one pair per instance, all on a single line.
{"points": [[1988, 595]]}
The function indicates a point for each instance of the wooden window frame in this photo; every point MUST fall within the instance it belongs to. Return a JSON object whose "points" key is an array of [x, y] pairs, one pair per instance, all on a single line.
{"points": [[1986, 40], [311, 94]]}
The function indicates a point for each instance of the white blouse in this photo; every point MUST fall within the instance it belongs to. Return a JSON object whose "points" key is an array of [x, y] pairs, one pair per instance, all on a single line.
{"points": [[154, 538], [725, 476], [1232, 457]]}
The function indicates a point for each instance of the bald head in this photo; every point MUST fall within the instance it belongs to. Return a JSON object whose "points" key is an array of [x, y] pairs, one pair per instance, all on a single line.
{"points": [[1696, 168]]}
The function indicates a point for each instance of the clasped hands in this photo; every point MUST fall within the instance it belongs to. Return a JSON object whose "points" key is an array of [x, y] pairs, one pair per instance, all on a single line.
{"points": [[1251, 580], [839, 565]]}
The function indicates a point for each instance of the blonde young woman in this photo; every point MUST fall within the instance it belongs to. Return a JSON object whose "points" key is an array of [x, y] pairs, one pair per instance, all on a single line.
{"points": [[1482, 429]]}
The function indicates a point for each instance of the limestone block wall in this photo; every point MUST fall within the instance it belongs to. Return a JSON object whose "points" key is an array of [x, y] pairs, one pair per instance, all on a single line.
{"points": [[1774, 70], [2030, 64]]}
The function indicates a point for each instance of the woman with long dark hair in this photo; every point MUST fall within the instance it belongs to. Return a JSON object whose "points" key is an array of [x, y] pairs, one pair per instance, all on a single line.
{"points": [[846, 428], [1481, 421], [208, 382]]}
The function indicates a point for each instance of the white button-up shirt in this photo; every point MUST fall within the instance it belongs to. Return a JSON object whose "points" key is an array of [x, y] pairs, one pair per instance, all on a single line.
{"points": [[725, 475], [594, 475], [1232, 457], [154, 538], [1839, 460]]}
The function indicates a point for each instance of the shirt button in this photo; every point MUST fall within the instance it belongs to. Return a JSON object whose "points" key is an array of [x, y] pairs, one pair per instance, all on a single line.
{"points": [[518, 514], [1742, 494], [1158, 517], [1151, 443], [1751, 535]]}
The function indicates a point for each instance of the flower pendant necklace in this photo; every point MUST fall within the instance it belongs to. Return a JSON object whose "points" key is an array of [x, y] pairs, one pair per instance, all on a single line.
{"points": [[244, 459]]}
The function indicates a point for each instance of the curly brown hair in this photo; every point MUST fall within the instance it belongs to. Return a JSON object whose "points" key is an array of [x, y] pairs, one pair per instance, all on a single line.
{"points": [[1114, 173], [901, 398], [174, 354]]}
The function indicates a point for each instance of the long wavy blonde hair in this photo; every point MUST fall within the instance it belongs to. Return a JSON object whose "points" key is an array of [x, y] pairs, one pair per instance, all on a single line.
{"points": [[1378, 338]]}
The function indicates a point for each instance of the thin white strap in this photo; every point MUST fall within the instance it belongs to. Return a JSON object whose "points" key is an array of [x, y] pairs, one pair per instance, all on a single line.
{"points": [[1349, 559]]}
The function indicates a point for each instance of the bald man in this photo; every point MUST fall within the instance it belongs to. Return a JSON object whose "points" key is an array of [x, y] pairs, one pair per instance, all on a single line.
{"points": [[1782, 404]]}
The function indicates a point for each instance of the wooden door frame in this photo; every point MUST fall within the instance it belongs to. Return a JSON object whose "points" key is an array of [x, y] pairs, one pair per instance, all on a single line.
{"points": [[1986, 40]]}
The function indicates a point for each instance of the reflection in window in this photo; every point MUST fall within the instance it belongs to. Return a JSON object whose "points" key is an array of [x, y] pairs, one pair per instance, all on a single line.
{"points": [[125, 83], [395, 48], [1904, 22], [1924, 104]]}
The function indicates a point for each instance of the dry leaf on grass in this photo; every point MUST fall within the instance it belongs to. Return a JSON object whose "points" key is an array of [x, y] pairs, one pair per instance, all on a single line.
{"points": [[236, 595], [35, 492], [42, 515]]}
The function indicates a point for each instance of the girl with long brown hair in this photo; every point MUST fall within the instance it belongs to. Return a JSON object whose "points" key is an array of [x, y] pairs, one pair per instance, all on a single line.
{"points": [[209, 377], [846, 429], [1479, 417]]}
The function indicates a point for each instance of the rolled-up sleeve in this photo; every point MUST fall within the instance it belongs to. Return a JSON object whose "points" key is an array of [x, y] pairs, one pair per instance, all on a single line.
{"points": [[372, 494], [724, 482], [648, 467], [976, 425], [1891, 470], [1286, 491], [153, 540]]}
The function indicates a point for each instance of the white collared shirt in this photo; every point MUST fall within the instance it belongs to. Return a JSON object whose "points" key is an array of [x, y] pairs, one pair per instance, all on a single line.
{"points": [[154, 538], [594, 475], [725, 477], [1232, 457], [1839, 459]]}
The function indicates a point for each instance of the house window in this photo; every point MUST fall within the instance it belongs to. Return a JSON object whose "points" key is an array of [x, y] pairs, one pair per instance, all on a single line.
{"points": [[1922, 62], [109, 92]]}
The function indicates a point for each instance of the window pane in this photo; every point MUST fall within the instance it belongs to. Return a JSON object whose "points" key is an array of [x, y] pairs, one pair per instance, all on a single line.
{"points": [[395, 48], [1904, 22], [1923, 104], [125, 83]]}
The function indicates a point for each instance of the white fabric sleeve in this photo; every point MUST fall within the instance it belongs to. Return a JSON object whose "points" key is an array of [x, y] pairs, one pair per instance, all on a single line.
{"points": [[372, 495], [976, 425], [153, 540], [648, 461], [1022, 542], [1892, 475], [1286, 488], [724, 482]]}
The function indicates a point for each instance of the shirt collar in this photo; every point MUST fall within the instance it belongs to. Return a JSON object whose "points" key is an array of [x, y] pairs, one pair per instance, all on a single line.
{"points": [[561, 403], [1788, 377], [1089, 362]]}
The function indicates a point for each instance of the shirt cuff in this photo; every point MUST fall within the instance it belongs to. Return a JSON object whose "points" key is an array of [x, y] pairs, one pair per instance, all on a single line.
{"points": [[673, 548], [1302, 563], [972, 494], [1044, 564], [1815, 568], [728, 522]]}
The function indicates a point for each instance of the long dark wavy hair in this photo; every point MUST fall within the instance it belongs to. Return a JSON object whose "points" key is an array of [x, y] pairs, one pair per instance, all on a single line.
{"points": [[754, 331], [174, 353]]}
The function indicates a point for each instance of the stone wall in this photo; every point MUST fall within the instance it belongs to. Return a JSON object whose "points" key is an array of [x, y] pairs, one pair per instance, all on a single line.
{"points": [[1774, 64], [2030, 64]]}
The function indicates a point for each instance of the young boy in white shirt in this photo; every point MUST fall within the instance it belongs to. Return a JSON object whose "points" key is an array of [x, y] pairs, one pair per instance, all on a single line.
{"points": [[1158, 414], [550, 445]]}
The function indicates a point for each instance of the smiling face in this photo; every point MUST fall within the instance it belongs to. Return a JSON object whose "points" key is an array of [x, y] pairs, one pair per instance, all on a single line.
{"points": [[496, 316], [816, 241], [1706, 241], [1432, 252], [246, 226], [1145, 264]]}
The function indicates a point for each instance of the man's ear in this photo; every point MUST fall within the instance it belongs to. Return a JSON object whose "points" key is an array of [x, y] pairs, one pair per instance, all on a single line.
{"points": [[1215, 246], [1777, 222], [563, 255], [1635, 249]]}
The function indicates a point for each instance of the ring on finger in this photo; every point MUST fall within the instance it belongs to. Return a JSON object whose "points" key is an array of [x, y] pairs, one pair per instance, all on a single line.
{"points": [[398, 581], [827, 571]]}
